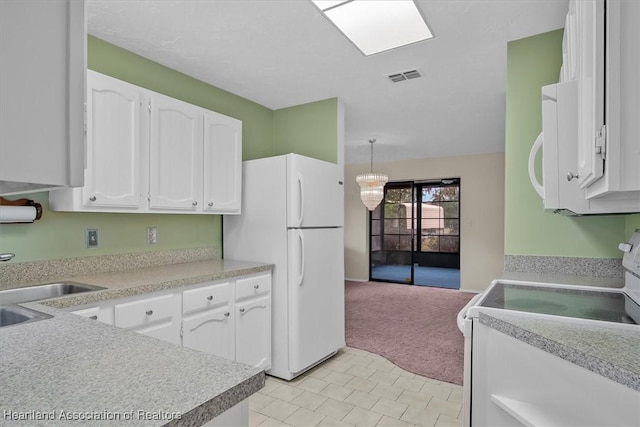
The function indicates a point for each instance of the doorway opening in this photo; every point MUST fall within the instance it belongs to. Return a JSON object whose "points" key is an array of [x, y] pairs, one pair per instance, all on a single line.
{"points": [[415, 234]]}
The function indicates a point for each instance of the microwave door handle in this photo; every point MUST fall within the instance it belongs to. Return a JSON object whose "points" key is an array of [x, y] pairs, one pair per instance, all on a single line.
{"points": [[537, 145]]}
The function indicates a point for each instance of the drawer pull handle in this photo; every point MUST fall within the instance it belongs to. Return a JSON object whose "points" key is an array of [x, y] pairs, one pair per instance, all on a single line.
{"points": [[210, 298], [149, 312], [256, 286], [210, 204], [227, 314], [92, 199], [195, 203], [94, 317], [242, 310]]}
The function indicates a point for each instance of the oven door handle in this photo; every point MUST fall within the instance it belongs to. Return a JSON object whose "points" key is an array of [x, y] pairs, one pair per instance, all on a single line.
{"points": [[462, 315]]}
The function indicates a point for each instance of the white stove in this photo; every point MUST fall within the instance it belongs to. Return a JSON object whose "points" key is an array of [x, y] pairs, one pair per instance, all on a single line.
{"points": [[617, 308]]}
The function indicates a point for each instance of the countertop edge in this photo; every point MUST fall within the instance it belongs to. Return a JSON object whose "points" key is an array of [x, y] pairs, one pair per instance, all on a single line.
{"points": [[209, 410], [109, 294], [577, 357]]}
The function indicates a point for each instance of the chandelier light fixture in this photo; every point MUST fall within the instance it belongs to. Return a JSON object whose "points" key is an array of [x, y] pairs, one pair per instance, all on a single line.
{"points": [[372, 185]]}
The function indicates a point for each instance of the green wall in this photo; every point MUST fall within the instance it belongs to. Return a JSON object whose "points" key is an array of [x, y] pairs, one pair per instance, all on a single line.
{"points": [[534, 62], [308, 129], [61, 235]]}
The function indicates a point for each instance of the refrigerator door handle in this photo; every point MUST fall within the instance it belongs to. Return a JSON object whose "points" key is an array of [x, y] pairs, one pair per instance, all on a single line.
{"points": [[301, 200], [301, 270]]}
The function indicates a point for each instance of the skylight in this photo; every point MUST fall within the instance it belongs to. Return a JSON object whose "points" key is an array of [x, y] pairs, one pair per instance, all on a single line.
{"points": [[376, 26]]}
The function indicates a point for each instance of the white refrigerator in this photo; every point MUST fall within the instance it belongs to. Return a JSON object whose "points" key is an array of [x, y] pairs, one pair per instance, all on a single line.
{"points": [[292, 217]]}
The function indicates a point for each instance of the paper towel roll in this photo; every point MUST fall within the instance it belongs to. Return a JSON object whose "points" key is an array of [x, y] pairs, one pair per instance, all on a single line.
{"points": [[9, 214]]}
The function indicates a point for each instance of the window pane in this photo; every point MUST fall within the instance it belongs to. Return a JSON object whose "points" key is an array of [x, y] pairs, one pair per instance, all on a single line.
{"points": [[451, 227], [430, 194], [375, 227], [377, 212], [430, 244], [398, 195], [449, 194], [376, 243], [451, 209], [450, 244], [392, 226], [431, 218], [394, 210], [391, 243], [405, 243]]}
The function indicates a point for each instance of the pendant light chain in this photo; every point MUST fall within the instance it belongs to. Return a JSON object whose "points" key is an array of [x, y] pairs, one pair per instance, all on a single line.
{"points": [[371, 141]]}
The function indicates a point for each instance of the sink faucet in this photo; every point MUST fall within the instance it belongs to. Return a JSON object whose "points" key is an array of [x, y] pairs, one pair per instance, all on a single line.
{"points": [[6, 257]]}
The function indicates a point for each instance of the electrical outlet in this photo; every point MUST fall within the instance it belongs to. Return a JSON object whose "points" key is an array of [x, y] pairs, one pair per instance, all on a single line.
{"points": [[152, 235], [91, 238]]}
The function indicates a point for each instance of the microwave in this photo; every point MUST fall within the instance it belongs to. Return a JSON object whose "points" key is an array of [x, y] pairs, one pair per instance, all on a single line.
{"points": [[558, 141]]}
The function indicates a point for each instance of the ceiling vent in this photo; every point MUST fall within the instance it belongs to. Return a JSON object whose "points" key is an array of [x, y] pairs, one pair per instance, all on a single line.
{"points": [[407, 75]]}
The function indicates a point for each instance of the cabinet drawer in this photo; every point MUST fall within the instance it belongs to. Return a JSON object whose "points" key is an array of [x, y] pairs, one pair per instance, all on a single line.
{"points": [[253, 286], [206, 297], [143, 312], [102, 314]]}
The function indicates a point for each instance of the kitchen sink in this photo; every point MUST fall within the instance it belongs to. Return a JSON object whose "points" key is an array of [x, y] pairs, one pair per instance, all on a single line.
{"points": [[13, 315], [40, 292]]}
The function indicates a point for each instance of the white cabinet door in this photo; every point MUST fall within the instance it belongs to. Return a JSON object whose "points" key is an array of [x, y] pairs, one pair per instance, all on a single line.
{"points": [[222, 163], [621, 178], [113, 174], [253, 332], [175, 147], [211, 332], [42, 87], [590, 75]]}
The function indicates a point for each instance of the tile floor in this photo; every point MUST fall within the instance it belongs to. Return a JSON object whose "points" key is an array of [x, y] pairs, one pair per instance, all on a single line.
{"points": [[356, 388]]}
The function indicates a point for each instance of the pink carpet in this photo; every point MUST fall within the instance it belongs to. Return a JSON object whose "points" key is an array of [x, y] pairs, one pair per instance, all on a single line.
{"points": [[412, 326]]}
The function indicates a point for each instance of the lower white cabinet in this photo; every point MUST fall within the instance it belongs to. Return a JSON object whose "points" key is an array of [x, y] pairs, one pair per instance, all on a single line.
{"points": [[211, 331], [253, 321], [207, 321], [230, 319]]}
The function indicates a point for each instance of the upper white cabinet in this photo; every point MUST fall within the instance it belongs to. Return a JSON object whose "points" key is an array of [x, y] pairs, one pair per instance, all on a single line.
{"points": [[222, 157], [590, 75], [151, 153], [42, 82], [113, 176], [175, 167], [606, 35], [621, 153]]}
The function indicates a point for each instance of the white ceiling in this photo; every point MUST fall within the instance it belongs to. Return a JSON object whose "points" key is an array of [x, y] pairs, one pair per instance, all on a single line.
{"points": [[285, 53]]}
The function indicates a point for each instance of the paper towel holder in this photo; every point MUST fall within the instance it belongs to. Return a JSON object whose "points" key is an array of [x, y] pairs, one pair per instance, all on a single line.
{"points": [[23, 202]]}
